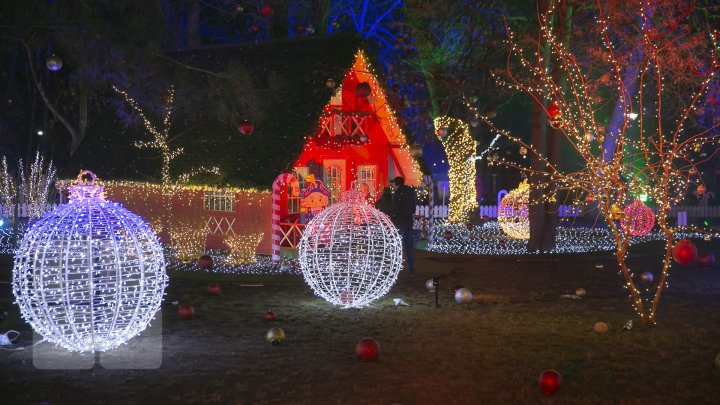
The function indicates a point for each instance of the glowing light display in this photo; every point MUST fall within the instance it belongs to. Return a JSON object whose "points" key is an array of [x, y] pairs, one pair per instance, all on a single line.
{"points": [[513, 212], [460, 150], [638, 219], [89, 275], [350, 253]]}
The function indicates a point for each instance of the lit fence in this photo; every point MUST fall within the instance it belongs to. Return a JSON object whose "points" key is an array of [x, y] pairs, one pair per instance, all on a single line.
{"points": [[574, 211], [23, 210]]}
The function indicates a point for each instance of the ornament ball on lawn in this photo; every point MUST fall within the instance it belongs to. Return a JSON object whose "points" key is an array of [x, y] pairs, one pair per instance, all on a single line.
{"points": [[350, 254], [89, 275], [367, 349], [275, 336], [270, 316], [601, 328], [580, 292], [205, 262], [246, 128], [706, 260], [214, 289], [550, 382], [463, 296], [186, 311], [684, 252]]}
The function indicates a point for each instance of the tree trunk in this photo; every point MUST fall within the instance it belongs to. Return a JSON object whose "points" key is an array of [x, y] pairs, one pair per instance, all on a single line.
{"points": [[192, 28]]}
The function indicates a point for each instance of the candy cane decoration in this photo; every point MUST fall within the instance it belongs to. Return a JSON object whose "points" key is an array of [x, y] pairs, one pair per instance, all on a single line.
{"points": [[278, 187], [427, 180]]}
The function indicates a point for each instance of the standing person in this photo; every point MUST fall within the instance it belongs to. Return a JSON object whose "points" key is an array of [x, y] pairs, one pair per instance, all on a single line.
{"points": [[384, 204], [403, 209]]}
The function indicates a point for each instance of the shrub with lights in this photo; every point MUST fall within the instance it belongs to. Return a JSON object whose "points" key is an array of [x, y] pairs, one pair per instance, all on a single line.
{"points": [[89, 275], [350, 254]]}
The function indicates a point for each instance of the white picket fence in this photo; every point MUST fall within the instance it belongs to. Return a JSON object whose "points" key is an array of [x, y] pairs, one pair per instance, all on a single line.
{"points": [[572, 211], [23, 210]]}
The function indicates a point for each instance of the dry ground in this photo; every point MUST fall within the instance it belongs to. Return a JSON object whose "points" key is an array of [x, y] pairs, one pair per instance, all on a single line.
{"points": [[490, 351]]}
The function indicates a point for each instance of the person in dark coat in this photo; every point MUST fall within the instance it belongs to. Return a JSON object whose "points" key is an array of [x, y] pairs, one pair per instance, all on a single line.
{"points": [[403, 209], [384, 204]]}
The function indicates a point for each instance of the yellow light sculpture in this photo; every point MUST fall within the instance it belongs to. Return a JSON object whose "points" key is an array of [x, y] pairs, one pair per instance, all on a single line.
{"points": [[513, 212], [460, 150]]}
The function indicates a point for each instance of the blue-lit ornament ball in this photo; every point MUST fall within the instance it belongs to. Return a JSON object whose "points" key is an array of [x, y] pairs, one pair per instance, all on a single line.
{"points": [[647, 277], [89, 275], [54, 63]]}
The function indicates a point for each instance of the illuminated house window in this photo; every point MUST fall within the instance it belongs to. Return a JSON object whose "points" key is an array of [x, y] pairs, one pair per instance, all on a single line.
{"points": [[294, 202], [334, 182], [220, 201], [367, 179]]}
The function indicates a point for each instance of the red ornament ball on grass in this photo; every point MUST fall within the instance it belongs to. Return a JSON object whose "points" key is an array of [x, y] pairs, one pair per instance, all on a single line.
{"points": [[270, 316], [186, 311], [684, 252], [706, 260], [550, 382], [214, 289], [367, 349], [205, 262], [246, 128]]}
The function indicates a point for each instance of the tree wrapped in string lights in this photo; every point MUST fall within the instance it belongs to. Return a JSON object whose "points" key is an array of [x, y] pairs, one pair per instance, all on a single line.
{"points": [[350, 253], [657, 149], [89, 275], [460, 149]]}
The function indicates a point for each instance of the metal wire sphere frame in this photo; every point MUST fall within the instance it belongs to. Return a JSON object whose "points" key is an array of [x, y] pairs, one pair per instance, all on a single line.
{"points": [[89, 275], [351, 253]]}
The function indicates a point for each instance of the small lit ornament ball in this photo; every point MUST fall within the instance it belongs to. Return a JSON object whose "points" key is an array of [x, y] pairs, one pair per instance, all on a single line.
{"points": [[246, 128], [186, 311], [580, 292], [89, 275], [701, 189], [350, 254], [205, 262], [416, 151], [589, 136], [363, 139], [275, 336], [601, 328], [523, 151], [684, 252], [512, 214], [214, 289], [463, 296], [550, 382], [706, 260], [430, 285], [617, 212], [639, 219], [647, 277], [367, 349], [270, 316], [54, 63]]}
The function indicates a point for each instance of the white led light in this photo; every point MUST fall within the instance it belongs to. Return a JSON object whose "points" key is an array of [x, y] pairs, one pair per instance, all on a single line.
{"points": [[89, 275], [350, 253]]}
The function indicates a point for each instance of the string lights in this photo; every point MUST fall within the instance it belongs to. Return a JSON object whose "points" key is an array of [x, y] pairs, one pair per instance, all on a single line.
{"points": [[242, 247], [350, 254], [89, 275], [512, 212]]}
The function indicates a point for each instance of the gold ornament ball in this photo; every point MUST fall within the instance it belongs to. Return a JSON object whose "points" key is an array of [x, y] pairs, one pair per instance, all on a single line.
{"points": [[463, 296], [275, 336], [580, 292], [601, 328], [523, 151]]}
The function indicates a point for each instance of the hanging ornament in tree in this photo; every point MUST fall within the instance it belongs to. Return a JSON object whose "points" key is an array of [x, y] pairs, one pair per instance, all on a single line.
{"points": [[246, 127], [555, 116], [363, 89], [523, 151], [330, 83], [512, 214], [89, 275], [701, 189], [638, 219], [684, 252], [350, 254], [589, 137], [54, 63], [416, 151], [692, 171], [266, 10], [617, 212]]}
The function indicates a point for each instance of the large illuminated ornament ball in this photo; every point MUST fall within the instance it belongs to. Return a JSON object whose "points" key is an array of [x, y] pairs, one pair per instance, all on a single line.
{"points": [[512, 212], [350, 254], [684, 252], [89, 275], [639, 219]]}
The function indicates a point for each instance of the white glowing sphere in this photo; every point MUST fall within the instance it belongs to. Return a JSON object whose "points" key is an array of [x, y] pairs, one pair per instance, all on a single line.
{"points": [[89, 275], [350, 254], [463, 296]]}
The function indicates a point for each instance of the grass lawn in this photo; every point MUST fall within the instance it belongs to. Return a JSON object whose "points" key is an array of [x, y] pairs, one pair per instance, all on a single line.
{"points": [[489, 351]]}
